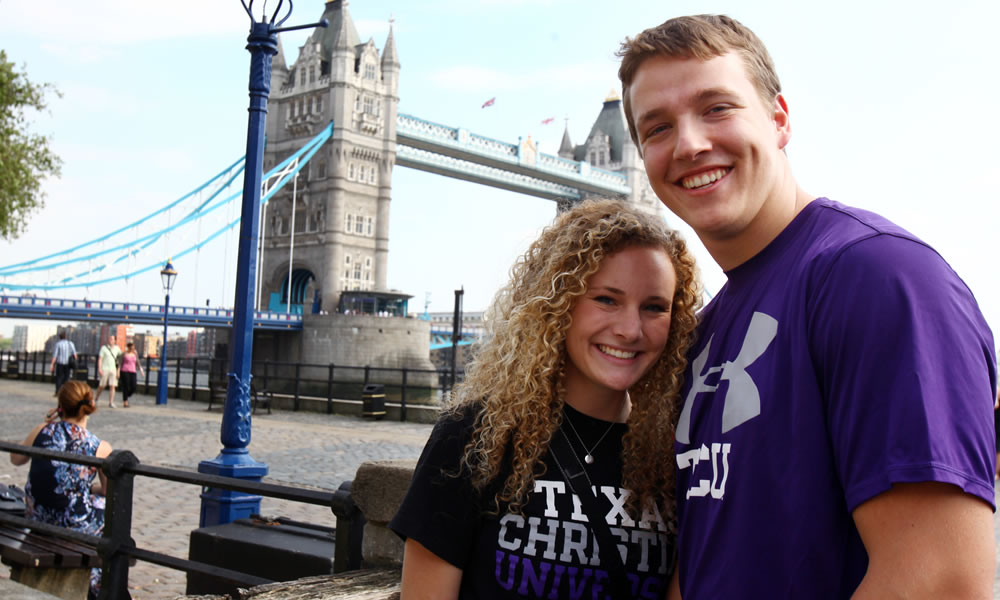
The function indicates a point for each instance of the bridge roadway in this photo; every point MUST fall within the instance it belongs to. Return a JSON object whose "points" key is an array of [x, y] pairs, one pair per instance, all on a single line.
{"points": [[307, 449], [182, 434], [28, 307]]}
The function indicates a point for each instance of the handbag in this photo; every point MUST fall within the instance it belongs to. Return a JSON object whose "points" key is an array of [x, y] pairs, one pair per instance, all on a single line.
{"points": [[607, 545]]}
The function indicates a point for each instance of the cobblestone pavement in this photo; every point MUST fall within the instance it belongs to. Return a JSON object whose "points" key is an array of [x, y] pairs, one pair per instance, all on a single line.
{"points": [[305, 449]]}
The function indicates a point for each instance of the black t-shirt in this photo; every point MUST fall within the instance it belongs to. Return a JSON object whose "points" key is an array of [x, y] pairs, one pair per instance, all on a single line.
{"points": [[547, 551]]}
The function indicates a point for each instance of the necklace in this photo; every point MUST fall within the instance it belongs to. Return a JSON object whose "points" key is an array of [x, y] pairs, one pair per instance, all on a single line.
{"points": [[589, 456]]}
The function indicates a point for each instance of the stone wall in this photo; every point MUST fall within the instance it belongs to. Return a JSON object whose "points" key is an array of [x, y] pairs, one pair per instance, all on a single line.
{"points": [[390, 343], [378, 490]]}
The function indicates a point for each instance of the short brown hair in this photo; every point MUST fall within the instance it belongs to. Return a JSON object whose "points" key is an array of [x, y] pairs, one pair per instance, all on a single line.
{"points": [[76, 397], [703, 37]]}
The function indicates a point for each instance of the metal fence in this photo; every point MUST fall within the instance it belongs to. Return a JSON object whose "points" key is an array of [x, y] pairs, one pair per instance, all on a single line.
{"points": [[116, 546], [297, 381]]}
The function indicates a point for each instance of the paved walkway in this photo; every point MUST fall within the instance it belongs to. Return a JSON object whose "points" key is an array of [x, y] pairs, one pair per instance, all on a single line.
{"points": [[306, 449]]}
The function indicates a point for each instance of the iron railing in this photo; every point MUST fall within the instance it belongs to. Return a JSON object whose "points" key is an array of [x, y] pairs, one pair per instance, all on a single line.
{"points": [[297, 381], [116, 546]]}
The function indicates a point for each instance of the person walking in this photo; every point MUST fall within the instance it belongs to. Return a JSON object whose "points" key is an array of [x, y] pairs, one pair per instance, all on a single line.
{"points": [[130, 364], [107, 370], [63, 360]]}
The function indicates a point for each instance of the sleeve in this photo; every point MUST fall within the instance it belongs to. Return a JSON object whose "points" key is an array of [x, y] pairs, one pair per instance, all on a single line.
{"points": [[906, 363], [441, 510]]}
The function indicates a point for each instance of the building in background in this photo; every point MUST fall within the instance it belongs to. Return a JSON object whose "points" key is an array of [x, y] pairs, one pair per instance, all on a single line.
{"points": [[31, 338]]}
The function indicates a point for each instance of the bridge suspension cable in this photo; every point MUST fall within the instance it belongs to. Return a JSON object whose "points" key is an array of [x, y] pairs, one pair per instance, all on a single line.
{"points": [[125, 255]]}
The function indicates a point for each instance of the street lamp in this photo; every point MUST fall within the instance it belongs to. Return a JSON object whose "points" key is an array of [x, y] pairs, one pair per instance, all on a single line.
{"points": [[168, 275]]}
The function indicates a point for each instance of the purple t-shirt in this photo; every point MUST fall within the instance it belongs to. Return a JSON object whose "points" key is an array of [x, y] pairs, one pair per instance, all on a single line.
{"points": [[843, 358]]}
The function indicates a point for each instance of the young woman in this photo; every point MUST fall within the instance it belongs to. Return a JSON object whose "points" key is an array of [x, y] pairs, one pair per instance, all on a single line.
{"points": [[62, 493], [562, 434], [130, 363]]}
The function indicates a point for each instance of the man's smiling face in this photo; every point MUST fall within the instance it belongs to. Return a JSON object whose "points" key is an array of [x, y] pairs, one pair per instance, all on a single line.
{"points": [[712, 148]]}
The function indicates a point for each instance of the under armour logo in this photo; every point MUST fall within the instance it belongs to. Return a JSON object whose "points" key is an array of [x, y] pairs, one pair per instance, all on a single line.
{"points": [[743, 398]]}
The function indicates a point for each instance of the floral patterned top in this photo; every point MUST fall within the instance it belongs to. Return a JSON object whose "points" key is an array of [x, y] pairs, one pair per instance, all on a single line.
{"points": [[58, 492]]}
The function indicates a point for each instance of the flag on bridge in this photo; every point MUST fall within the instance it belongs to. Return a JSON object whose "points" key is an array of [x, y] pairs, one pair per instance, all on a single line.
{"points": [[489, 102], [547, 121]]}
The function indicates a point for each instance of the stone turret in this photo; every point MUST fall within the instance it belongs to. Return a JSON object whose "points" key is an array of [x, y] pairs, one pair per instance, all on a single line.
{"points": [[343, 196], [609, 147]]}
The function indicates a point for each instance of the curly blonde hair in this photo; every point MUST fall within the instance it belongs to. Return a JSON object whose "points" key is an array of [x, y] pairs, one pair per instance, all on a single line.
{"points": [[514, 384]]}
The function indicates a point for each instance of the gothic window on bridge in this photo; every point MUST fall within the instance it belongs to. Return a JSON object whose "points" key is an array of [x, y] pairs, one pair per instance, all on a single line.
{"points": [[312, 74], [357, 271], [359, 226], [370, 224], [302, 77], [371, 175], [321, 170], [350, 172], [369, 104], [319, 104], [363, 173], [349, 225], [324, 68], [369, 71], [357, 103]]}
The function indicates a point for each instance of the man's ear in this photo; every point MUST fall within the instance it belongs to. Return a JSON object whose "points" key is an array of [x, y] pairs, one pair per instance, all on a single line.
{"points": [[782, 123]]}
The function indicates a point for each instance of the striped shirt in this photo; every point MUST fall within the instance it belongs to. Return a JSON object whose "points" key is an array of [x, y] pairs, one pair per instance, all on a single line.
{"points": [[63, 351]]}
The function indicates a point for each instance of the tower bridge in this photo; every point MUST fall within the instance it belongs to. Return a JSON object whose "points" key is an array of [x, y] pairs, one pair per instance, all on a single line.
{"points": [[328, 232], [341, 205]]}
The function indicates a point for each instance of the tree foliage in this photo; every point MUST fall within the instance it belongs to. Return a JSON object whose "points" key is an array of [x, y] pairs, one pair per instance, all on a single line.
{"points": [[25, 158]]}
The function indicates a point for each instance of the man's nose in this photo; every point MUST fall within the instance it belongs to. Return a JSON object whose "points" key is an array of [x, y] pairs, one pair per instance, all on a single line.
{"points": [[692, 140]]}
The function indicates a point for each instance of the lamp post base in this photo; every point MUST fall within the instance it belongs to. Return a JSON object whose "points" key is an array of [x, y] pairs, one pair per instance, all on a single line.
{"points": [[220, 506], [162, 383]]}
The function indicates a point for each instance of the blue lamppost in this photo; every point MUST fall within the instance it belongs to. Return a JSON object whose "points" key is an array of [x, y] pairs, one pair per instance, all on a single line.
{"points": [[220, 506], [168, 275]]}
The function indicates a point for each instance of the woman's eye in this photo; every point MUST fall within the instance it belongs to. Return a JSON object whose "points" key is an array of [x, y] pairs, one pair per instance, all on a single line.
{"points": [[604, 300], [658, 308]]}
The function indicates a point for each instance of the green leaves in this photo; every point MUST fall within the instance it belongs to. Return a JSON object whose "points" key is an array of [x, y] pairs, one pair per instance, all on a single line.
{"points": [[25, 158]]}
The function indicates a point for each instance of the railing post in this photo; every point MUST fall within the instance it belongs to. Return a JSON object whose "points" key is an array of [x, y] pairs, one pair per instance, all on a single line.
{"points": [[367, 369], [298, 373], [194, 379], [177, 379], [34, 365], [350, 529], [117, 525], [329, 391], [147, 373], [402, 398]]}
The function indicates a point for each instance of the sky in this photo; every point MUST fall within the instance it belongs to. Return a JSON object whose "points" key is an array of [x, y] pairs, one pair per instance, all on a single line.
{"points": [[892, 104]]}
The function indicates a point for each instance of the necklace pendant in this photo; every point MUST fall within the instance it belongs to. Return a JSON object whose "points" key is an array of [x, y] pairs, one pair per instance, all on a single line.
{"points": [[588, 459]]}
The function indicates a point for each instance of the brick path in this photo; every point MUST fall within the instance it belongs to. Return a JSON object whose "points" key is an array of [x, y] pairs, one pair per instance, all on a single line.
{"points": [[306, 449]]}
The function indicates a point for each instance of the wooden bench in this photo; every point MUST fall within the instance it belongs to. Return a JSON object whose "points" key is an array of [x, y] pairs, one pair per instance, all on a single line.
{"points": [[58, 567], [217, 391]]}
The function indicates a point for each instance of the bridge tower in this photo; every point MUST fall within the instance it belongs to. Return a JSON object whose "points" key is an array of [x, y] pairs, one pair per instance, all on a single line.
{"points": [[609, 146], [341, 212]]}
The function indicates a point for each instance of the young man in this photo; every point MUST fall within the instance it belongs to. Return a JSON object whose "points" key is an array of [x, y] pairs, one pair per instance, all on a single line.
{"points": [[107, 369], [835, 439], [61, 355]]}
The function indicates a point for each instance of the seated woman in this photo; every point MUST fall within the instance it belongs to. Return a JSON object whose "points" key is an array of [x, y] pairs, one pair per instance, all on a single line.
{"points": [[561, 436], [61, 493]]}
